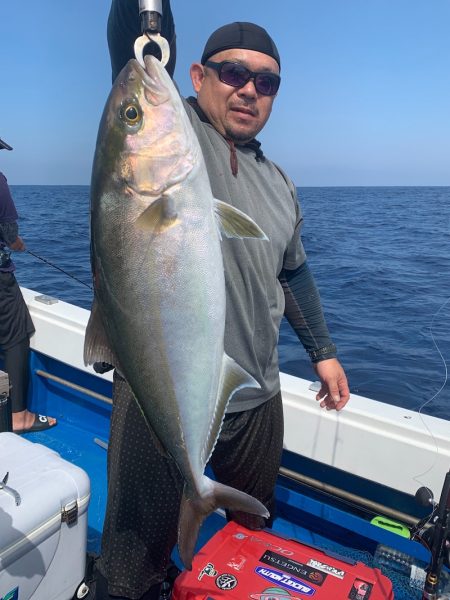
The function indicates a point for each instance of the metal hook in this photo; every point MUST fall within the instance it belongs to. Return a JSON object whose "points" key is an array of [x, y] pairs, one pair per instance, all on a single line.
{"points": [[144, 39]]}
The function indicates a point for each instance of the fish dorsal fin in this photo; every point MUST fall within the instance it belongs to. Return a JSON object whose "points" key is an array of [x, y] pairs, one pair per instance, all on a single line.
{"points": [[232, 378], [233, 223], [96, 344], [159, 216]]}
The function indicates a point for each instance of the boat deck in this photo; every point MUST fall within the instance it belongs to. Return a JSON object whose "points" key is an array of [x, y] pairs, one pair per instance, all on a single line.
{"points": [[328, 529], [373, 454]]}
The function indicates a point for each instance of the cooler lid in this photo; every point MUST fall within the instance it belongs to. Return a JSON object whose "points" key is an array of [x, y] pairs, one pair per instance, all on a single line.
{"points": [[46, 485]]}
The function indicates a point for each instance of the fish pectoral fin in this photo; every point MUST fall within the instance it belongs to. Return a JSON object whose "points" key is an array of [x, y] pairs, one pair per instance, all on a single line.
{"points": [[193, 512], [96, 344], [232, 378], [233, 223], [159, 216]]}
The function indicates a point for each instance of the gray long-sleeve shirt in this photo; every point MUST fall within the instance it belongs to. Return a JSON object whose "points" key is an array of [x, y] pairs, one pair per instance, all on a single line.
{"points": [[254, 295]]}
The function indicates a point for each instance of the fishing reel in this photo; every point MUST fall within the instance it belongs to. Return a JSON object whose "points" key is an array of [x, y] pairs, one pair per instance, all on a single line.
{"points": [[425, 530], [436, 537]]}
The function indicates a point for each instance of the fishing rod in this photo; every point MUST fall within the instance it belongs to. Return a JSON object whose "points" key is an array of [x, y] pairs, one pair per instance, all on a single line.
{"points": [[58, 268], [439, 544]]}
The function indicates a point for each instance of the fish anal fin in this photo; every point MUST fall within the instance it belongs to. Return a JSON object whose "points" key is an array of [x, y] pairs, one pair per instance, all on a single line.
{"points": [[232, 378], [233, 223], [96, 344], [159, 216]]}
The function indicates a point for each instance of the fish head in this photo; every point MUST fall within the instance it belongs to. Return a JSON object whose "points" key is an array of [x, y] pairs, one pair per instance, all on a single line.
{"points": [[145, 143]]}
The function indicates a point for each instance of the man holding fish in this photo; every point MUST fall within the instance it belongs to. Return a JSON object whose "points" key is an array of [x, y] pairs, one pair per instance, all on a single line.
{"points": [[196, 255]]}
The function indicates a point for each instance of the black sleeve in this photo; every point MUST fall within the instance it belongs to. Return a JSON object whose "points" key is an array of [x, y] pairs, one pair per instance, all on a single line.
{"points": [[9, 233], [303, 310], [124, 26]]}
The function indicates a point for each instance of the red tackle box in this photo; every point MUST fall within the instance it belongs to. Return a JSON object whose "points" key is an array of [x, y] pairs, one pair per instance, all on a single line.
{"points": [[241, 564]]}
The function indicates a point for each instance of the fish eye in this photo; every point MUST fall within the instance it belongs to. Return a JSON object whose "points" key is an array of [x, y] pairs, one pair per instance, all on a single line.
{"points": [[131, 113]]}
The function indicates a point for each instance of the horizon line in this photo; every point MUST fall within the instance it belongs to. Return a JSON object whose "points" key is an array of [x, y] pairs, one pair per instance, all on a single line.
{"points": [[298, 186]]}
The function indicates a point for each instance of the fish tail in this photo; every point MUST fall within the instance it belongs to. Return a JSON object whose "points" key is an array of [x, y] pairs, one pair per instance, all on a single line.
{"points": [[195, 510]]}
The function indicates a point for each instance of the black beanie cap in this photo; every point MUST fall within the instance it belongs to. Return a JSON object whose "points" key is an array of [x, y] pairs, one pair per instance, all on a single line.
{"points": [[240, 35]]}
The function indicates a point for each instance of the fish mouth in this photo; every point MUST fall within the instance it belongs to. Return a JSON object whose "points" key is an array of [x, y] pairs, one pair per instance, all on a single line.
{"points": [[155, 90]]}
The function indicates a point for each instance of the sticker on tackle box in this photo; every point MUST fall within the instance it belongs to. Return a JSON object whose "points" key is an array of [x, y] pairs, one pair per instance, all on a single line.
{"points": [[240, 564], [361, 590]]}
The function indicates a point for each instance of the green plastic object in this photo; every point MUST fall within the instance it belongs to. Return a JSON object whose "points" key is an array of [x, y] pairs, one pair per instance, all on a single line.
{"points": [[392, 526]]}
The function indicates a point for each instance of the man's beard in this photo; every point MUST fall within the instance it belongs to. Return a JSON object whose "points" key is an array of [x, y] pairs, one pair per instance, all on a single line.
{"points": [[239, 137]]}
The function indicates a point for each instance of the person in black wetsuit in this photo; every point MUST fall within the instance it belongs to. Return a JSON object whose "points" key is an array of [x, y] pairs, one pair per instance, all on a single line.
{"points": [[16, 325], [236, 83]]}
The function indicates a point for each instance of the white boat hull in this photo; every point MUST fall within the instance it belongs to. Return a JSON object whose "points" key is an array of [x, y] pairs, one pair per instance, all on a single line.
{"points": [[392, 446]]}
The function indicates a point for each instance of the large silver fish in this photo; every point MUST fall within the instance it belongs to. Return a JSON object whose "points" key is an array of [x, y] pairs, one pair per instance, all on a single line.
{"points": [[159, 308]]}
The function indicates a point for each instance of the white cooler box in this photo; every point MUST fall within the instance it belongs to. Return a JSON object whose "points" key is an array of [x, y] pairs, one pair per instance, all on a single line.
{"points": [[43, 530]]}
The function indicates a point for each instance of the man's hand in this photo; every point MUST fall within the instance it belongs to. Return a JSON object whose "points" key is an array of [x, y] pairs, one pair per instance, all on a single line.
{"points": [[18, 244], [334, 393]]}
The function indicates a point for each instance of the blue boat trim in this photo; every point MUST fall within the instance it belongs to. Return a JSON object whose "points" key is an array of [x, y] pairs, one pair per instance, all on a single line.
{"points": [[314, 518]]}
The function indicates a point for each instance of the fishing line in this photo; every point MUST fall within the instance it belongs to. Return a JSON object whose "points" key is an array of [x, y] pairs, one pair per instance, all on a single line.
{"points": [[417, 477], [58, 268], [440, 354]]}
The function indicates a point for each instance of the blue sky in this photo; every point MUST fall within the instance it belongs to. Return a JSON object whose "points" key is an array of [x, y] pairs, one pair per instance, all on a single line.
{"points": [[365, 95]]}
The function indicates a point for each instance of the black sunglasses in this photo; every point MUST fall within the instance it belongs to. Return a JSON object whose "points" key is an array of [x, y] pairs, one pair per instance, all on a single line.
{"points": [[237, 75]]}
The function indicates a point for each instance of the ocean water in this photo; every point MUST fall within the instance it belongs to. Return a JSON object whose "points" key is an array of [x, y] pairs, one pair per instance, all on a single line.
{"points": [[381, 258]]}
